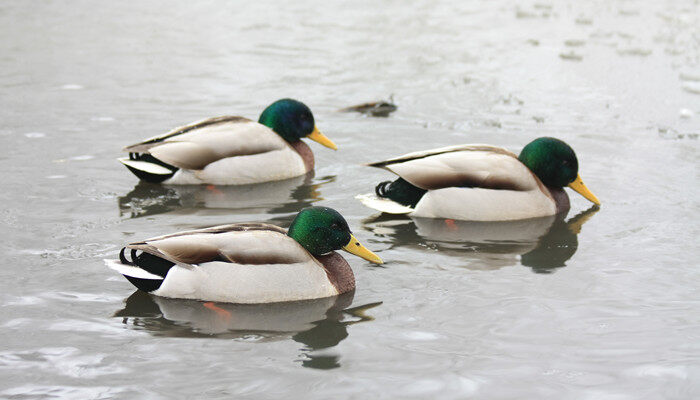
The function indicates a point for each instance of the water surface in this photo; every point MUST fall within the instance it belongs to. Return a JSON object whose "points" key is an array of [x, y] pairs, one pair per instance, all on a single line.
{"points": [[598, 304]]}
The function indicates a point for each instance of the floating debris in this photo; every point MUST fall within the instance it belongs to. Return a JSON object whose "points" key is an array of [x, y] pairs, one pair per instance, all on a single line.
{"points": [[511, 99], [542, 6], [522, 14], [494, 123], [574, 43], [71, 87], [375, 109], [670, 133], [539, 12], [570, 56], [634, 51], [628, 13]]}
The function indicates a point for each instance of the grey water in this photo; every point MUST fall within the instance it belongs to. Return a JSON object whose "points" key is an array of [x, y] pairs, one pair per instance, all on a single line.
{"points": [[603, 303]]}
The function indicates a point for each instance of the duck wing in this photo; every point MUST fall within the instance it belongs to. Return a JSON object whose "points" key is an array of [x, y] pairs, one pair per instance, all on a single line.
{"points": [[477, 166], [201, 143], [248, 243]]}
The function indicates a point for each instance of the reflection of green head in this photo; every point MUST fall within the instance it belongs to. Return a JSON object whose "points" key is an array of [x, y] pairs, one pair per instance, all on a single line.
{"points": [[553, 249], [559, 244], [552, 160], [289, 118], [320, 230]]}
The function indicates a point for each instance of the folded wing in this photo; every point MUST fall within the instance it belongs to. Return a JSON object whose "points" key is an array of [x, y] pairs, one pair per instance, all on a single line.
{"points": [[199, 144], [236, 243], [477, 166]]}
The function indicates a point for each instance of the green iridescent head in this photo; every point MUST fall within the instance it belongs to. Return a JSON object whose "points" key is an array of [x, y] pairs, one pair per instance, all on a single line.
{"points": [[289, 118], [555, 163], [293, 120], [321, 230], [552, 160]]}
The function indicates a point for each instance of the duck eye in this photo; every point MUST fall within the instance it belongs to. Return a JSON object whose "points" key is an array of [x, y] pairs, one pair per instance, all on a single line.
{"points": [[304, 117], [336, 225]]}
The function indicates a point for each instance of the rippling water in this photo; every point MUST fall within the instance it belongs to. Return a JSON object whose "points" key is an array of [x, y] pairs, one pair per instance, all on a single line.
{"points": [[600, 304]]}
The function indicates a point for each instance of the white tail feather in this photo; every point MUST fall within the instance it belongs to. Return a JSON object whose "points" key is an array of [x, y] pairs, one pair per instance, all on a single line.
{"points": [[383, 205], [145, 166], [132, 271]]}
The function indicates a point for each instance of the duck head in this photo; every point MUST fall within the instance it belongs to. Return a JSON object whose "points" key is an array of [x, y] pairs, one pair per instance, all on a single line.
{"points": [[293, 120], [321, 230], [555, 163]]}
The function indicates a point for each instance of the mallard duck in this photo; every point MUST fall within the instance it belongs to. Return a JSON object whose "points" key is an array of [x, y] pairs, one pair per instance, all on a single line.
{"points": [[481, 182], [231, 150], [248, 262]]}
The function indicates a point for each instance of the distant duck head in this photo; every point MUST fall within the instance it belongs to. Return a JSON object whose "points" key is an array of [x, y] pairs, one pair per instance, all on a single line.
{"points": [[321, 230], [555, 164], [293, 120]]}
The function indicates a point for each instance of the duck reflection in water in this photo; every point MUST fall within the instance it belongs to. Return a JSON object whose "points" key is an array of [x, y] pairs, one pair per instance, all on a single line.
{"points": [[285, 196], [543, 244], [316, 324]]}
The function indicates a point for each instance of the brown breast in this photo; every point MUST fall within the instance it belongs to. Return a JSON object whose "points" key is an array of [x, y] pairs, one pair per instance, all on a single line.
{"points": [[561, 199], [339, 271], [305, 152]]}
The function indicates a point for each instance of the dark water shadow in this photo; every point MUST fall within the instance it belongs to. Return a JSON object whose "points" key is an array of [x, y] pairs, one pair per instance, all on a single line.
{"points": [[543, 244], [316, 324], [286, 196]]}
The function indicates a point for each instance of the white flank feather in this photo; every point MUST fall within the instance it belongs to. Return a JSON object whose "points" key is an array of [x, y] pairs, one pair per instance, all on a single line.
{"points": [[248, 284], [384, 205], [475, 204]]}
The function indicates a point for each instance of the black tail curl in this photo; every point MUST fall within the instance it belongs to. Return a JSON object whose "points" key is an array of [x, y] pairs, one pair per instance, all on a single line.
{"points": [[147, 176], [380, 190], [148, 262], [400, 191], [123, 259]]}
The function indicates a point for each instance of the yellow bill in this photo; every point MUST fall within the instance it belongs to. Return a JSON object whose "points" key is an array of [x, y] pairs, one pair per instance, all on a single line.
{"points": [[575, 223], [578, 186], [319, 137], [354, 247]]}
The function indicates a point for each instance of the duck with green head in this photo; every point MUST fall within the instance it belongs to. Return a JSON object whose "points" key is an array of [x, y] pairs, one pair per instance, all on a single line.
{"points": [[248, 262], [231, 150], [481, 182]]}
